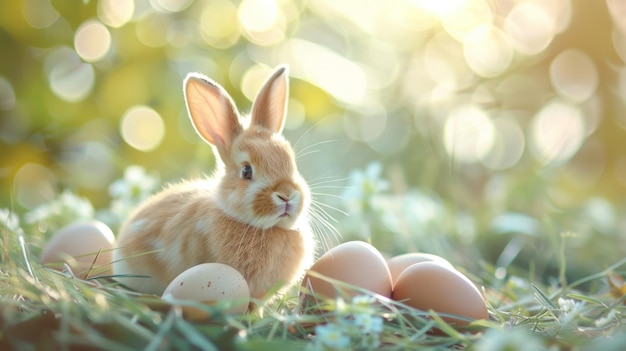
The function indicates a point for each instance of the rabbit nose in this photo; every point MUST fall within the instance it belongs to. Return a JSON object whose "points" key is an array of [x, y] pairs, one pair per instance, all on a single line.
{"points": [[282, 197]]}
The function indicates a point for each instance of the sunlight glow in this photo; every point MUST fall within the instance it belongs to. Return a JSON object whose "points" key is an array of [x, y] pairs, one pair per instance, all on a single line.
{"points": [[115, 13], [142, 128], [530, 28], [92, 41], [487, 50], [218, 24], [557, 132], [170, 5], [34, 184], [39, 13], [340, 77], [574, 75], [459, 20], [262, 21], [508, 145], [70, 78], [258, 15], [468, 134]]}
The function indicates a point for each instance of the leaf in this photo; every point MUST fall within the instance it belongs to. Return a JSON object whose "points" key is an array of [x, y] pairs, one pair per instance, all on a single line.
{"points": [[271, 345], [543, 299], [590, 299], [194, 336]]}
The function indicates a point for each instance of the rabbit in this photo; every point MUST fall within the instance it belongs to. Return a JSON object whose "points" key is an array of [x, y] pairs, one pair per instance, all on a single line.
{"points": [[251, 214]]}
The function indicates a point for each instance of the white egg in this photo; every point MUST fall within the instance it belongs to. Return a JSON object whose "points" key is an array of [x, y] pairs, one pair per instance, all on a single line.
{"points": [[355, 263], [210, 283], [85, 246], [431, 285]]}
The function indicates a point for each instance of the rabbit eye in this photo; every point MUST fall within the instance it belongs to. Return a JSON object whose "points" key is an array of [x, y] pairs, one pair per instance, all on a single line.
{"points": [[246, 172]]}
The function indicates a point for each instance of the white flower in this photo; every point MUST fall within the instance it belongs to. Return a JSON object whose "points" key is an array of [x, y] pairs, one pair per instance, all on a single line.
{"points": [[566, 305], [65, 208], [364, 185], [604, 321], [510, 340], [136, 184], [9, 220], [127, 193], [363, 300], [368, 323], [331, 336]]}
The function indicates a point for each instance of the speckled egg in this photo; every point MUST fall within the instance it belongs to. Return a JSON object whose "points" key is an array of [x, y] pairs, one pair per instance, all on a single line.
{"points": [[436, 286], [399, 263], [356, 263], [210, 283], [78, 244]]}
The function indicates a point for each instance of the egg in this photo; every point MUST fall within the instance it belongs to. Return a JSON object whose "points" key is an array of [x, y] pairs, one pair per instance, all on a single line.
{"points": [[209, 283], [78, 244], [355, 263], [398, 263], [436, 286]]}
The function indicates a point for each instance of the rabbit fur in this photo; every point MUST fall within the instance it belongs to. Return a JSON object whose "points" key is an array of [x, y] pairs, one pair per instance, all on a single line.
{"points": [[251, 214]]}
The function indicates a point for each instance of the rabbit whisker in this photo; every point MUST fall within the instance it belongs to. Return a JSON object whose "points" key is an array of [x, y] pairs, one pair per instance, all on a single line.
{"points": [[309, 130], [307, 150], [321, 222]]}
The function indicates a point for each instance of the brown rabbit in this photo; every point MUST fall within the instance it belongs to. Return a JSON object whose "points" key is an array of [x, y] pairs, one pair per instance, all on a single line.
{"points": [[252, 214]]}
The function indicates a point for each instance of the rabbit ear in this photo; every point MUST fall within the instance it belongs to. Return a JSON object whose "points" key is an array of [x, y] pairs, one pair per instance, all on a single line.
{"points": [[270, 107], [212, 111]]}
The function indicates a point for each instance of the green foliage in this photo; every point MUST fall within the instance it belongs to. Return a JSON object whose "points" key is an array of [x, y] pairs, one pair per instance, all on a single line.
{"points": [[47, 309]]}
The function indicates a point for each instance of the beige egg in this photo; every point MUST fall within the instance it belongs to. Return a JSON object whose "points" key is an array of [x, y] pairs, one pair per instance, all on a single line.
{"points": [[356, 263], [432, 285], [398, 263], [209, 283], [78, 244]]}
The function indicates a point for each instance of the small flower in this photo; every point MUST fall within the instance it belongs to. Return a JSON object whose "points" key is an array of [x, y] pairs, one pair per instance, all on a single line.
{"points": [[368, 323], [604, 321], [363, 300], [9, 220], [510, 340], [331, 336], [127, 193], [566, 305], [67, 207], [136, 184], [364, 185]]}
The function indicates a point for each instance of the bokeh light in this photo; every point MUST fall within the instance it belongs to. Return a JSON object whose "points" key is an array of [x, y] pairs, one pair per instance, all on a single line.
{"points": [[487, 50], [69, 77], [529, 27], [557, 132], [7, 95], [89, 163], [170, 5], [115, 13], [508, 144], [92, 41], [218, 24], [258, 15], [445, 63], [574, 75], [142, 128], [34, 185], [468, 134], [340, 77], [152, 30], [39, 13]]}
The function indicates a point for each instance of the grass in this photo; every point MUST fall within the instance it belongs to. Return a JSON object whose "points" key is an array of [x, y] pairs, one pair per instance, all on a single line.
{"points": [[43, 309]]}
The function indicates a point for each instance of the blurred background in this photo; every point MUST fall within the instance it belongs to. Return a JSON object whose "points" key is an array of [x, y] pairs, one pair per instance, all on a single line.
{"points": [[472, 129]]}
